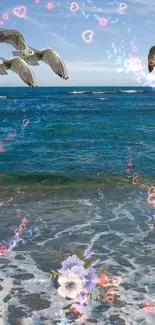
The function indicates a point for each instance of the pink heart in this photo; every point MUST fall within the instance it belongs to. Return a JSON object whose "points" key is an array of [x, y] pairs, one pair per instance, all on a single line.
{"points": [[1, 22], [122, 6], [74, 7], [20, 11], [5, 16], [89, 37], [128, 170], [148, 308], [103, 22]]}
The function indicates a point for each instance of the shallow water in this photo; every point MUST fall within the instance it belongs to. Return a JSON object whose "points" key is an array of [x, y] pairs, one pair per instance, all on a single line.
{"points": [[67, 173]]}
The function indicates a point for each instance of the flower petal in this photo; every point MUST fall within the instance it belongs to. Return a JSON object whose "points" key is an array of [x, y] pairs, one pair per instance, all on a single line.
{"points": [[61, 279], [62, 291], [73, 294]]}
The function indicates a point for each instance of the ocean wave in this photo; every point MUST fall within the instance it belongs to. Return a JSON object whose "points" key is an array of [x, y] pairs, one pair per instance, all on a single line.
{"points": [[93, 92], [3, 97], [55, 179], [132, 91], [103, 98], [98, 92], [78, 92], [117, 91]]}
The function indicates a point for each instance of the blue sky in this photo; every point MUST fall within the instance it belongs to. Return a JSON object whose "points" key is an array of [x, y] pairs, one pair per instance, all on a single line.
{"points": [[127, 32]]}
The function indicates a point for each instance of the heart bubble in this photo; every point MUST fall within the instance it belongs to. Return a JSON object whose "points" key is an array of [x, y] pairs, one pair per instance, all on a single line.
{"points": [[89, 36], [74, 7], [122, 6], [20, 12]]}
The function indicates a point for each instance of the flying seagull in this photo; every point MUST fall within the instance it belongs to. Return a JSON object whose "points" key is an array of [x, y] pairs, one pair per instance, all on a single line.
{"points": [[31, 55], [20, 67], [151, 58], [16, 39], [51, 58]]}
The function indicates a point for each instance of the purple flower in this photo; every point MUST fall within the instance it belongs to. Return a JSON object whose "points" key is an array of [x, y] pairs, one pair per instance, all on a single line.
{"points": [[70, 262], [12, 242], [87, 253], [80, 271], [70, 318], [91, 279]]}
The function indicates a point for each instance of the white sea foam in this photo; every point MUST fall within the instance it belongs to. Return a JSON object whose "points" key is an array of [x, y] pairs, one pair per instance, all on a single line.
{"points": [[77, 92], [86, 202], [132, 91], [99, 92], [114, 234]]}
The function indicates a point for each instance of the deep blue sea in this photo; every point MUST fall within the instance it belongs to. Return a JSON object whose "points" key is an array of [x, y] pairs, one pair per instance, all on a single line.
{"points": [[67, 159]]}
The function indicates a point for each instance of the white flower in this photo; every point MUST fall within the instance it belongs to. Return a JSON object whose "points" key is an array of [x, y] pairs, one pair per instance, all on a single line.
{"points": [[70, 285]]}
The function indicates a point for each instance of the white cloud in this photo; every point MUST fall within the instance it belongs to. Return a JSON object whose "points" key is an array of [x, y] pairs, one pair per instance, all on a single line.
{"points": [[89, 66], [33, 21], [81, 66], [61, 41], [81, 73]]}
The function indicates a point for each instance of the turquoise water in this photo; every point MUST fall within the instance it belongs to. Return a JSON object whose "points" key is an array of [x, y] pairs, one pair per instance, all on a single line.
{"points": [[67, 156], [75, 130]]}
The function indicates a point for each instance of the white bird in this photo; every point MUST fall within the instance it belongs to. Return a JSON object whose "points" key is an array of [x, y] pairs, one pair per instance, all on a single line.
{"points": [[20, 67], [151, 58], [31, 55], [16, 39], [51, 58]]}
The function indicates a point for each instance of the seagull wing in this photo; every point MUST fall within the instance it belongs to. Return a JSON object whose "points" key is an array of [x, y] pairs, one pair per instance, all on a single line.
{"points": [[52, 58], [2, 70], [13, 37], [151, 59], [32, 60], [20, 67]]}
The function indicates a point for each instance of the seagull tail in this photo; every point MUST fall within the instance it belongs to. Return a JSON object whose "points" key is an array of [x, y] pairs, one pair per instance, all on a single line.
{"points": [[18, 53]]}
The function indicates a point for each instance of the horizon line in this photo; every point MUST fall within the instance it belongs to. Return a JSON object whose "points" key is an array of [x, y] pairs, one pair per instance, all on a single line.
{"points": [[74, 86]]}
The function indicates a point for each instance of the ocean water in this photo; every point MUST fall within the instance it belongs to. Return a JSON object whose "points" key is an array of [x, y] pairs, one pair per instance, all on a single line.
{"points": [[67, 159]]}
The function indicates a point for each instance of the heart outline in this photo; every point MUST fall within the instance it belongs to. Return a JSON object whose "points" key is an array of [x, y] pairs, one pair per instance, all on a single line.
{"points": [[122, 6], [72, 5], [91, 34], [17, 10]]}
